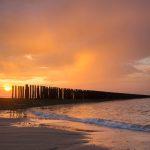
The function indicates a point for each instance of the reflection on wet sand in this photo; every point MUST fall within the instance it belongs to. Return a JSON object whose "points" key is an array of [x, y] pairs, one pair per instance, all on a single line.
{"points": [[13, 114]]}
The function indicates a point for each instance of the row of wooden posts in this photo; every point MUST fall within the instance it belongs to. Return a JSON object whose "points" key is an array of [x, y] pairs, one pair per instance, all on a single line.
{"points": [[46, 92], [37, 92]]}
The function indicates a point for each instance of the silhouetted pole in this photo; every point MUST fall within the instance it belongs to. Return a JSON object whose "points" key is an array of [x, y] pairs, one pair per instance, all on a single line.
{"points": [[49, 92], [30, 91], [18, 92], [15, 92], [41, 91], [37, 92], [23, 92], [12, 92], [60, 93], [34, 91], [26, 92], [63, 93]]}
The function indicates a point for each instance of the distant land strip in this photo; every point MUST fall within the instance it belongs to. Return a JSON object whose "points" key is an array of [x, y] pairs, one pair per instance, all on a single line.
{"points": [[35, 96]]}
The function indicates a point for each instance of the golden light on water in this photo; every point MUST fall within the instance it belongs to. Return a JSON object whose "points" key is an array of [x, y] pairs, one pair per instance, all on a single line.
{"points": [[7, 88]]}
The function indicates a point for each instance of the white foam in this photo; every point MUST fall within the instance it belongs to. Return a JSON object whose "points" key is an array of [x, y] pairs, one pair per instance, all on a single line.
{"points": [[95, 121]]}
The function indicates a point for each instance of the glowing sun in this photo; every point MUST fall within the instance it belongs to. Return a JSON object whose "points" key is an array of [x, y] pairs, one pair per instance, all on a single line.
{"points": [[7, 88]]}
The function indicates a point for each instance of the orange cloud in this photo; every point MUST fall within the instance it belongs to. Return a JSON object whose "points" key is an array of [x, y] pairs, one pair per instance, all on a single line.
{"points": [[80, 44]]}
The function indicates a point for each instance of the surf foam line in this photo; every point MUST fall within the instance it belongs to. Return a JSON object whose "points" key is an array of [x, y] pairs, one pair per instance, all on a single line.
{"points": [[95, 121]]}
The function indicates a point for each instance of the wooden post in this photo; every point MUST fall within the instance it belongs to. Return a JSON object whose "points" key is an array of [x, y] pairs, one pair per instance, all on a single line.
{"points": [[42, 92], [49, 92], [22, 92], [18, 92], [41, 96], [32, 92], [15, 92], [46, 92], [63, 93], [59, 93], [12, 92], [26, 91], [37, 91]]}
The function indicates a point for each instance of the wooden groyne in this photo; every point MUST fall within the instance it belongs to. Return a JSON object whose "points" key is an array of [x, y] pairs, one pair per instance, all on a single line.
{"points": [[35, 95], [36, 92]]}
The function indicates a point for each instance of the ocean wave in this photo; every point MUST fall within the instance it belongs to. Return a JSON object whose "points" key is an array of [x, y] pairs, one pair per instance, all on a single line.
{"points": [[95, 121]]}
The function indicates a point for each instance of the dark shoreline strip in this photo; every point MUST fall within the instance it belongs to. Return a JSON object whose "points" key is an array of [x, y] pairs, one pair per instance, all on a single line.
{"points": [[12, 104]]}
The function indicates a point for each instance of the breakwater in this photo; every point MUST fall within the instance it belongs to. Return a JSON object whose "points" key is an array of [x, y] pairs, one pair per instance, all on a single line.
{"points": [[35, 92], [35, 95]]}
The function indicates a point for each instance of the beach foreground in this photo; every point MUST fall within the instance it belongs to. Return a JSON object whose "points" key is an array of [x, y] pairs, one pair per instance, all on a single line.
{"points": [[50, 138], [41, 138], [116, 125]]}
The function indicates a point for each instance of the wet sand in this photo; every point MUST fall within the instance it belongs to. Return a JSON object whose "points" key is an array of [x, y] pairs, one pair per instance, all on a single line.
{"points": [[54, 138], [41, 138]]}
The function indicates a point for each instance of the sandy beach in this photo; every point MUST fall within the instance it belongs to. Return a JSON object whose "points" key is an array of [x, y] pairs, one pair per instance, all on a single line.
{"points": [[49, 138], [41, 138]]}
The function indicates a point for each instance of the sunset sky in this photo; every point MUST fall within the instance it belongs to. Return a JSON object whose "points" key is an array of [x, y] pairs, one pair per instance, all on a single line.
{"points": [[90, 44]]}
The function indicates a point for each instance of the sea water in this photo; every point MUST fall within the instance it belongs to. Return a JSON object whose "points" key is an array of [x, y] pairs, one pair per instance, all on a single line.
{"points": [[126, 114]]}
